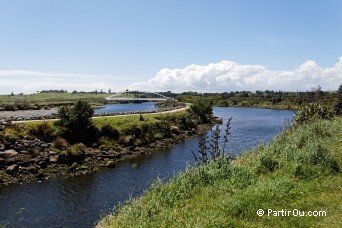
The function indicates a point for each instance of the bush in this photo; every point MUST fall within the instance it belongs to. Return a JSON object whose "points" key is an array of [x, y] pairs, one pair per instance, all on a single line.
{"points": [[75, 153], [186, 122], [338, 103], [60, 144], [110, 132], [202, 109], [134, 131], [312, 112], [106, 143], [267, 163], [10, 107], [42, 131], [76, 123]]}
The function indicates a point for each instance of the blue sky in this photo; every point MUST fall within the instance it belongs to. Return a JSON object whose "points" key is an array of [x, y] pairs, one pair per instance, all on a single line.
{"points": [[85, 44]]}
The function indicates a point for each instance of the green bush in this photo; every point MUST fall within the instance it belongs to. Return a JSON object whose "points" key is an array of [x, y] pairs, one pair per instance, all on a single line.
{"points": [[76, 123], [202, 109], [338, 103], [312, 112], [268, 163], [60, 144], [42, 131], [110, 132], [74, 153], [10, 107]]}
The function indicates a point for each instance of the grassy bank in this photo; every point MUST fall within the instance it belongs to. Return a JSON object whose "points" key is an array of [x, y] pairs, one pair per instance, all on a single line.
{"points": [[300, 169], [119, 122]]}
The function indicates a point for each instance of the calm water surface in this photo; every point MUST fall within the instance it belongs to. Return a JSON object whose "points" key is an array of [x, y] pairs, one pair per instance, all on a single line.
{"points": [[80, 201]]}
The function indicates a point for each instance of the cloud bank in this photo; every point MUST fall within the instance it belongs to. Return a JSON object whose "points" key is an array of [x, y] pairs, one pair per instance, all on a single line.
{"points": [[232, 76], [215, 77], [21, 81]]}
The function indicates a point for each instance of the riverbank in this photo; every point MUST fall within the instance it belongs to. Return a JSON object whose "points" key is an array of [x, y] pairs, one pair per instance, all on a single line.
{"points": [[299, 171], [24, 158], [23, 166]]}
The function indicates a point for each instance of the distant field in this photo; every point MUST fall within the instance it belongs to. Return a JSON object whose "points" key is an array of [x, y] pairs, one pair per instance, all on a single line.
{"points": [[46, 98]]}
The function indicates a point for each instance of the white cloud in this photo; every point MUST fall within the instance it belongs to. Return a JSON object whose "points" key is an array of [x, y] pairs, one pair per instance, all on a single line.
{"points": [[231, 76], [22, 81], [222, 76]]}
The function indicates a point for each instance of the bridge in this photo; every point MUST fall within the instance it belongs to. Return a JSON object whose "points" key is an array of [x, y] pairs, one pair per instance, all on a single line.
{"points": [[137, 96]]}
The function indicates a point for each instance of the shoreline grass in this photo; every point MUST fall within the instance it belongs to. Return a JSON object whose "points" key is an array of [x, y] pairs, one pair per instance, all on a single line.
{"points": [[299, 169]]}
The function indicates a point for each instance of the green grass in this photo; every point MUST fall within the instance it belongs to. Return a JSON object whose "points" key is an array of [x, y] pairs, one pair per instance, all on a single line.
{"points": [[118, 122], [299, 169], [47, 98], [121, 122]]}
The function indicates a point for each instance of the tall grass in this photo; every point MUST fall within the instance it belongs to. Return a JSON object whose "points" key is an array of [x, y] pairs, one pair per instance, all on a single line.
{"points": [[299, 169]]}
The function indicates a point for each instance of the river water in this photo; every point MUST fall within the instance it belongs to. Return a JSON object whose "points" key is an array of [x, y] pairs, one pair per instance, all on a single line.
{"points": [[80, 201], [129, 107]]}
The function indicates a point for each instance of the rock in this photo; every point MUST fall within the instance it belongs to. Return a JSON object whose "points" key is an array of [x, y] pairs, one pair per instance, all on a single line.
{"points": [[44, 146], [12, 169], [24, 152], [52, 152], [40, 175], [175, 130], [33, 169], [2, 162], [24, 163], [110, 164], [54, 158], [2, 147], [8, 153], [42, 164], [7, 145], [17, 148]]}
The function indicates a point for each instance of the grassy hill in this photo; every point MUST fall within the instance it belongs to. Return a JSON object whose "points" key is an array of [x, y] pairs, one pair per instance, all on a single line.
{"points": [[300, 169]]}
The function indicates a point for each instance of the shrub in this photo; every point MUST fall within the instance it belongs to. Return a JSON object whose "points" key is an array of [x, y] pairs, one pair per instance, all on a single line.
{"points": [[60, 144], [10, 107], [267, 163], [134, 131], [338, 103], [75, 153], [186, 122], [202, 109], [110, 132], [42, 131], [106, 143], [76, 123], [312, 112]]}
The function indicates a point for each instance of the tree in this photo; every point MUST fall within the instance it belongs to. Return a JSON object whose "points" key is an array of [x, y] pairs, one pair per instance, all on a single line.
{"points": [[316, 94], [202, 109], [76, 123], [338, 103]]}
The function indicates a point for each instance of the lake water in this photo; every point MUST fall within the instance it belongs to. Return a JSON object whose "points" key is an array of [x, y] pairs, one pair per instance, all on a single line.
{"points": [[80, 201]]}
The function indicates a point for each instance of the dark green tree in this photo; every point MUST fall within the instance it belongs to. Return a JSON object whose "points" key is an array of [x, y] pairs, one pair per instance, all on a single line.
{"points": [[202, 109], [338, 103], [76, 123]]}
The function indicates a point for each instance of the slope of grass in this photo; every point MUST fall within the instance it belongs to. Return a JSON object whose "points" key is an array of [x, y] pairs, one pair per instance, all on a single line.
{"points": [[118, 122], [300, 169]]}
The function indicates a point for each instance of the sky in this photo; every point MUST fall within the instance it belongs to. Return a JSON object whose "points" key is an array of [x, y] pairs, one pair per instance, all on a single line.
{"points": [[178, 45]]}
